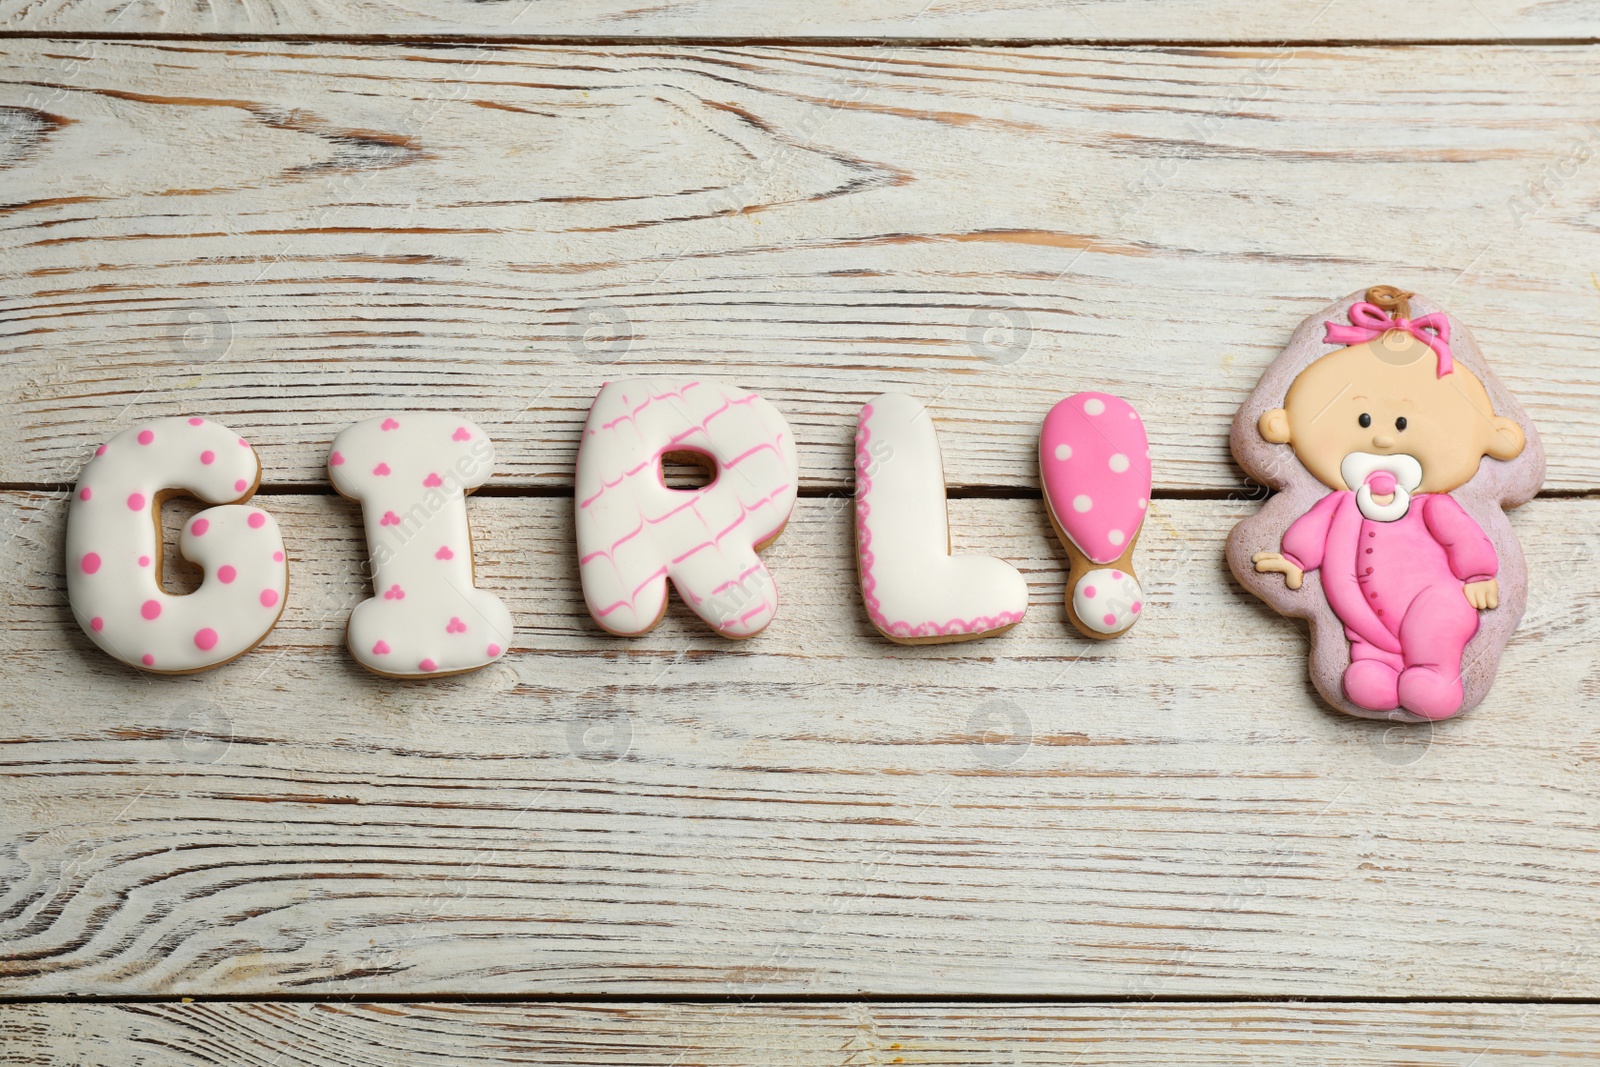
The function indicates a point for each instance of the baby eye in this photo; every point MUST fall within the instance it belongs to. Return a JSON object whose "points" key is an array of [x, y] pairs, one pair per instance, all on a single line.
{"points": [[1400, 423], [1365, 420]]}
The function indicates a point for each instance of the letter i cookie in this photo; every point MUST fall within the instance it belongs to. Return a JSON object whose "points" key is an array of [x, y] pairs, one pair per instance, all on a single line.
{"points": [[915, 591], [411, 472], [1094, 461], [114, 548]]}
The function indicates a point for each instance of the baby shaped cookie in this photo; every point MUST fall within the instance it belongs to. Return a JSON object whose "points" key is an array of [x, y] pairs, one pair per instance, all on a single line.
{"points": [[1094, 461], [1394, 451]]}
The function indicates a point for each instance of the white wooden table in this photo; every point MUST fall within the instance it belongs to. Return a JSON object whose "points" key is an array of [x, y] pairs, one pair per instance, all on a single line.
{"points": [[814, 847]]}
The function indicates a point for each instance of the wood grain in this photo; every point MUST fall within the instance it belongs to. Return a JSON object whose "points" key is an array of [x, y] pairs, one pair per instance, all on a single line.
{"points": [[813, 811], [289, 237], [899, 20], [1132, 1035]]}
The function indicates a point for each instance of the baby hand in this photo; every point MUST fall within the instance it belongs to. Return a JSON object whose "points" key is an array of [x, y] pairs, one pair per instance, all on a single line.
{"points": [[1271, 561], [1483, 595]]}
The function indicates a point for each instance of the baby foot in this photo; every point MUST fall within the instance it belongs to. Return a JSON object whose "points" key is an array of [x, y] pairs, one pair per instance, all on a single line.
{"points": [[1372, 685], [1430, 692]]}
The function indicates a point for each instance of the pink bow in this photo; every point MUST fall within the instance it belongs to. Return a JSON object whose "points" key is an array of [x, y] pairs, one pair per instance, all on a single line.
{"points": [[1369, 320]]}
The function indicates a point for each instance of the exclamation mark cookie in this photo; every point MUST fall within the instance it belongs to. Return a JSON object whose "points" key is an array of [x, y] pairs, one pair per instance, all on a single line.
{"points": [[1094, 460]]}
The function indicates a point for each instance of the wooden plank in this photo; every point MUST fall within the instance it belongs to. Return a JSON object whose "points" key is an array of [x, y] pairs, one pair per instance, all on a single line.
{"points": [[995, 20], [292, 236], [813, 811], [1157, 1035]]}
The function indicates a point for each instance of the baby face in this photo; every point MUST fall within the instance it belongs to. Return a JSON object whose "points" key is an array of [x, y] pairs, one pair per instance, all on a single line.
{"points": [[1385, 398]]}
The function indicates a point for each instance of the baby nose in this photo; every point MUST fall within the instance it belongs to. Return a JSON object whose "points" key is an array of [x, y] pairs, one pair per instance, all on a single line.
{"points": [[1383, 441]]}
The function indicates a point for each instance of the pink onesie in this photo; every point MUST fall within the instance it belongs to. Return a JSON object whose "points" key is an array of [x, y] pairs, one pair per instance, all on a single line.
{"points": [[1396, 586]]}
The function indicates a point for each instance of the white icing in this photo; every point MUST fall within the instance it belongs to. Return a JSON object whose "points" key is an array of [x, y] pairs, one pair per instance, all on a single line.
{"points": [[634, 533], [1104, 593], [410, 471], [1357, 467], [114, 548], [911, 584]]}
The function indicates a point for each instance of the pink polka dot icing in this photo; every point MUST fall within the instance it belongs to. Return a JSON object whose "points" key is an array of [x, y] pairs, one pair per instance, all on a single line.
{"points": [[1094, 460], [1107, 604], [114, 537]]}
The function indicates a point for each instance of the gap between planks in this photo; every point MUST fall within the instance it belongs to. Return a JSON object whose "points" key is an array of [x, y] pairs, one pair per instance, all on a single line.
{"points": [[848, 41], [952, 492], [592, 998]]}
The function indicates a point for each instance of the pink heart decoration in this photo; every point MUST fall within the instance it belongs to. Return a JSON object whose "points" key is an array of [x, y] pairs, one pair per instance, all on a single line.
{"points": [[389, 519], [394, 592], [389, 424], [461, 434], [432, 481], [381, 469], [455, 626], [336, 460], [381, 648], [444, 553]]}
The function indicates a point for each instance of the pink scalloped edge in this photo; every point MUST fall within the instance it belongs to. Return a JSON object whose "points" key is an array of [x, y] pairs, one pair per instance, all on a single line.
{"points": [[978, 624]]}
